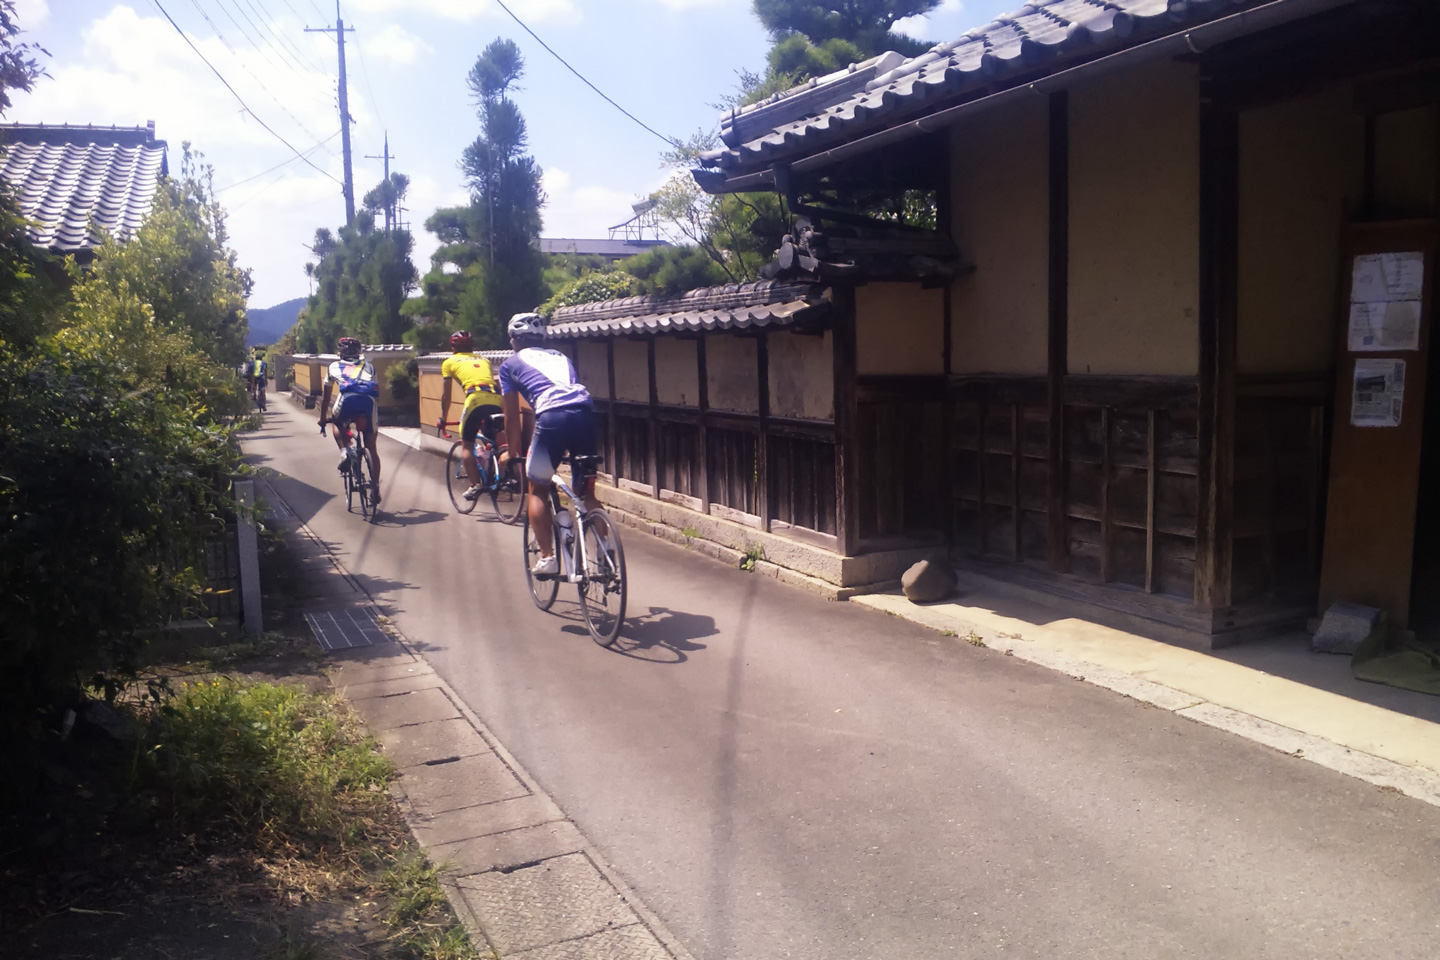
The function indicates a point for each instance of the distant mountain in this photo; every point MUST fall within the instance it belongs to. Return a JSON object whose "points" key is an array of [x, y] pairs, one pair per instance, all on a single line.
{"points": [[269, 324]]}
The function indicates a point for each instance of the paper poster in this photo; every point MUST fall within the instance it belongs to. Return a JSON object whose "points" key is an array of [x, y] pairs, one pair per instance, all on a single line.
{"points": [[1379, 393], [1388, 277], [1384, 326]]}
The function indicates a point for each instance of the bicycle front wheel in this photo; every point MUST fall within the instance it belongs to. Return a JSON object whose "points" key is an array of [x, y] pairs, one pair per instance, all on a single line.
{"points": [[603, 587], [349, 479], [507, 497], [542, 591], [456, 480]]}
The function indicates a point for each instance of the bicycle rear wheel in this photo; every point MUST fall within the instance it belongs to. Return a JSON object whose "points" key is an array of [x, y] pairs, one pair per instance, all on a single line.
{"points": [[603, 587], [349, 480], [456, 480], [507, 497], [542, 591], [360, 472]]}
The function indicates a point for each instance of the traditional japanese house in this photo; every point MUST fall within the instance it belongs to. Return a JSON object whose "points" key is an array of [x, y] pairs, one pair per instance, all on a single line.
{"points": [[1122, 300]]}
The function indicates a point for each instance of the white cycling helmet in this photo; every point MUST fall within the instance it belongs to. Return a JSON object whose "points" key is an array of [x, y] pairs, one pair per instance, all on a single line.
{"points": [[526, 325]]}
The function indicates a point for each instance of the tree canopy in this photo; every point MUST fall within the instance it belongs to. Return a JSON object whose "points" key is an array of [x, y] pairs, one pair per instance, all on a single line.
{"points": [[488, 266], [811, 39]]}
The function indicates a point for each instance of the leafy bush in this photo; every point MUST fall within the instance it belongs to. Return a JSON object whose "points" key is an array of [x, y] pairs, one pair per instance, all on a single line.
{"points": [[404, 380], [591, 288]]}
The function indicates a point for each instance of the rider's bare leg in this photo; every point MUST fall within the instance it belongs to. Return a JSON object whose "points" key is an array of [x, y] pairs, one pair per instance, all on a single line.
{"points": [[541, 516]]}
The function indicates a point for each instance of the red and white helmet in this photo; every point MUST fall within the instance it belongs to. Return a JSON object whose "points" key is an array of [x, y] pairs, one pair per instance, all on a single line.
{"points": [[461, 342]]}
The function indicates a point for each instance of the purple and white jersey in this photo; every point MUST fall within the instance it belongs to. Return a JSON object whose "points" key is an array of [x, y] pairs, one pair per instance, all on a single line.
{"points": [[545, 378]]}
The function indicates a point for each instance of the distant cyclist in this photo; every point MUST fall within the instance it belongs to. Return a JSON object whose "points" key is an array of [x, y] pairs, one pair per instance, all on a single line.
{"points": [[564, 420], [482, 399], [353, 380], [257, 371]]}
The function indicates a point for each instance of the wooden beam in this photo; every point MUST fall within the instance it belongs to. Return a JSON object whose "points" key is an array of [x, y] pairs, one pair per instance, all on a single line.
{"points": [[1107, 559], [653, 458], [612, 455], [1058, 354], [762, 452], [703, 383], [847, 482], [1015, 461], [1152, 455], [1215, 423]]}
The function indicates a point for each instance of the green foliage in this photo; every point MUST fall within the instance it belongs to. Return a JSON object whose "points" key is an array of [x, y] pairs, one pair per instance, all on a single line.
{"points": [[18, 67], [270, 762], [428, 337], [363, 276], [591, 288], [117, 405], [753, 555], [670, 271], [404, 380]]}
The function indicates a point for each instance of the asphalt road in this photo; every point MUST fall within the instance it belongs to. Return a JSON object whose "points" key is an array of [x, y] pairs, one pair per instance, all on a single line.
{"points": [[779, 776]]}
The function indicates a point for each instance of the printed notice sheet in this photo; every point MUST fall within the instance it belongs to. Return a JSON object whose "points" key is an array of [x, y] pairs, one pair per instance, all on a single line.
{"points": [[1379, 393], [1385, 298]]}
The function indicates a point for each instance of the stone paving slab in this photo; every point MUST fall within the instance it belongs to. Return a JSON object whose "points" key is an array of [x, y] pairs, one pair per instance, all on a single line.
{"points": [[561, 899], [421, 706], [466, 782], [622, 943], [389, 687], [470, 822], [424, 742], [501, 851], [388, 666]]}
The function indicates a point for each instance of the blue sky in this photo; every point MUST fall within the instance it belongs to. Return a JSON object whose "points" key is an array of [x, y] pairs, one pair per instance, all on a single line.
{"points": [[665, 61]]}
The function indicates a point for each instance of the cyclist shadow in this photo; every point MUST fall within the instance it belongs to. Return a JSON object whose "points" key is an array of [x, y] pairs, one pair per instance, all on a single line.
{"points": [[660, 636], [407, 518]]}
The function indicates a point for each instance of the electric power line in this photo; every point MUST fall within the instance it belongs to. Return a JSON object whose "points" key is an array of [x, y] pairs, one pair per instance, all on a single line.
{"points": [[669, 140], [365, 72], [277, 166], [289, 63], [236, 54], [240, 99], [282, 42]]}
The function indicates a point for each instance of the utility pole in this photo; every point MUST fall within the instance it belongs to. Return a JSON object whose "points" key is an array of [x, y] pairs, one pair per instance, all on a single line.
{"points": [[389, 198], [340, 30]]}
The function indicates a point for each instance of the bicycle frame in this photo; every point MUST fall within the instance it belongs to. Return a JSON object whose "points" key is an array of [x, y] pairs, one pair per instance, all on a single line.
{"points": [[575, 560]]}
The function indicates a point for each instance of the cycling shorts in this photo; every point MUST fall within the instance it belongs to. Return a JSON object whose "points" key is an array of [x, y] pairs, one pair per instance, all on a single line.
{"points": [[348, 406], [558, 431], [477, 421]]}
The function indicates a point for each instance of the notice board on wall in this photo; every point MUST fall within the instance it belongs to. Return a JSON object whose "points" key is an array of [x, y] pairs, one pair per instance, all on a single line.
{"points": [[1382, 362]]}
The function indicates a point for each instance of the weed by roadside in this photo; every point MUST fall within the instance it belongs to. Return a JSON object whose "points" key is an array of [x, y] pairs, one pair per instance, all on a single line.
{"points": [[690, 534], [753, 555]]}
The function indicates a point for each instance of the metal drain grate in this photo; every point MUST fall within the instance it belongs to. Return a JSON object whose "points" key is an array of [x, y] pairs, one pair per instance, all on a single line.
{"points": [[346, 629]]}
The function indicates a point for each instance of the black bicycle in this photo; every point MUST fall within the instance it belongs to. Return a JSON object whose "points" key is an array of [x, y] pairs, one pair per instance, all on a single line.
{"points": [[594, 561], [355, 475]]}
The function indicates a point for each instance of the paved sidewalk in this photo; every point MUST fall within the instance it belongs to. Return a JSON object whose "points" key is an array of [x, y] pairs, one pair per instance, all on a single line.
{"points": [[521, 877], [1377, 745]]}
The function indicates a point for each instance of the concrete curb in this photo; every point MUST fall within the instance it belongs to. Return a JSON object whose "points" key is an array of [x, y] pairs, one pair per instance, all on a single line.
{"points": [[1408, 771], [519, 874]]}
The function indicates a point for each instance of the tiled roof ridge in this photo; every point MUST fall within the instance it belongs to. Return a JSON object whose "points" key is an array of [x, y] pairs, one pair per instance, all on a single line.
{"points": [[724, 297], [1010, 44]]}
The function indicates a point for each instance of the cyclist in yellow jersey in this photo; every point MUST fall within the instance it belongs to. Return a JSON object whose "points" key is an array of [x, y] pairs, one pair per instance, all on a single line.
{"points": [[482, 398]]}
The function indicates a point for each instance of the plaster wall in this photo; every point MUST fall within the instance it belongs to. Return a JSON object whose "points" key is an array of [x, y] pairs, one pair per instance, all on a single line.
{"points": [[1134, 222], [592, 367], [632, 371], [899, 329], [1001, 224], [731, 367], [1301, 170], [677, 374], [1406, 160], [802, 376]]}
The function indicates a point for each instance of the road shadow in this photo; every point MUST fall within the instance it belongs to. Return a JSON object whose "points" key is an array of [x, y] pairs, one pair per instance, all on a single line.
{"points": [[661, 635], [406, 518]]}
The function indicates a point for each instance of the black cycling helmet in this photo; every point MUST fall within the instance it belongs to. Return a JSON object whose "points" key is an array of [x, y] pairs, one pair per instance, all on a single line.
{"points": [[348, 348]]}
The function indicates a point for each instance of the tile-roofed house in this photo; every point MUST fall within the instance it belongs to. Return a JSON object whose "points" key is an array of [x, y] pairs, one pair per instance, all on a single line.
{"points": [[78, 183], [614, 248], [1011, 55]]}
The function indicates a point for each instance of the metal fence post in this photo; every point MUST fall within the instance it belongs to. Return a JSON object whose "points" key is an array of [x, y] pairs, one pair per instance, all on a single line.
{"points": [[248, 542]]}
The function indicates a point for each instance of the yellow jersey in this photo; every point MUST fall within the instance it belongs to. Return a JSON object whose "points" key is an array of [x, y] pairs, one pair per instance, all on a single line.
{"points": [[474, 374]]}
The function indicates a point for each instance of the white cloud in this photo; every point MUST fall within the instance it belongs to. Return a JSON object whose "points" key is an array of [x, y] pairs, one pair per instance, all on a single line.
{"points": [[395, 44], [531, 11], [31, 14], [945, 22], [137, 68], [425, 196], [583, 210]]}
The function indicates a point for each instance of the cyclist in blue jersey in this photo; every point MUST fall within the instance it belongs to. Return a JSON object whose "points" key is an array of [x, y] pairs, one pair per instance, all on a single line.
{"points": [[356, 390], [564, 420]]}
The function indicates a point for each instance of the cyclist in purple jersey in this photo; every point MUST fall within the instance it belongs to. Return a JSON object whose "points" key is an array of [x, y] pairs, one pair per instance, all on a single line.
{"points": [[564, 420]]}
